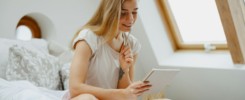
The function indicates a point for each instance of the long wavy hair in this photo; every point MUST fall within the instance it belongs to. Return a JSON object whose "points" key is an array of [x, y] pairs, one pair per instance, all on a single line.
{"points": [[105, 21]]}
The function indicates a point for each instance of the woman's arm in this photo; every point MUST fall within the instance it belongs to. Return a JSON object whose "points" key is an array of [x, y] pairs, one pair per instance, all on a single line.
{"points": [[126, 59], [78, 72]]}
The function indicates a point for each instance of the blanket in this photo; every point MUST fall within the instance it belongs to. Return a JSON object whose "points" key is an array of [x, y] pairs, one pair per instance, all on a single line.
{"points": [[24, 90]]}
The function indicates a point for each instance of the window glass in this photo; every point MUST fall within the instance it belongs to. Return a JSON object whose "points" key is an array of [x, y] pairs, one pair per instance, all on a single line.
{"points": [[198, 21]]}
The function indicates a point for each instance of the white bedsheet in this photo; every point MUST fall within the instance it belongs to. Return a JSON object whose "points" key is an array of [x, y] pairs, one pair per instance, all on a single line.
{"points": [[24, 90]]}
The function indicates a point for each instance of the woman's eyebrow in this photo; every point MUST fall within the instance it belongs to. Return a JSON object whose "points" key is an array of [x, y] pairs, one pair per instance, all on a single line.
{"points": [[127, 9]]}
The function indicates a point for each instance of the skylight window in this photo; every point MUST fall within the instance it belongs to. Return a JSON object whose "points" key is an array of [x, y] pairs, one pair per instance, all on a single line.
{"points": [[198, 21]]}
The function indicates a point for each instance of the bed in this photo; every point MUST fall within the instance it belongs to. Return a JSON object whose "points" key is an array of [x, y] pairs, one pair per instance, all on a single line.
{"points": [[33, 70], [24, 90]]}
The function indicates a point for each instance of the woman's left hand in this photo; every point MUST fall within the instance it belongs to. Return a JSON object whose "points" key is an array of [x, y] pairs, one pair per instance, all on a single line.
{"points": [[126, 58]]}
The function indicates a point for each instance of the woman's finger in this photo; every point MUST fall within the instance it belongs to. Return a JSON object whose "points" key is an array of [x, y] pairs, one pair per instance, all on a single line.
{"points": [[141, 92], [143, 89], [129, 56], [127, 52], [124, 49], [129, 60], [144, 84], [137, 84]]}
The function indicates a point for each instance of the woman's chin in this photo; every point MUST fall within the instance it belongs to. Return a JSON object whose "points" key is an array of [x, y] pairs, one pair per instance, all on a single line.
{"points": [[126, 30]]}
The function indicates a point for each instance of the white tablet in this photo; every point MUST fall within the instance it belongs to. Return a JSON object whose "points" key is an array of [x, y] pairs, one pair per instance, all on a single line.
{"points": [[160, 78]]}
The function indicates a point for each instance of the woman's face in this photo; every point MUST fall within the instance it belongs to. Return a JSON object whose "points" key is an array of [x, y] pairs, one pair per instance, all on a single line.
{"points": [[128, 15]]}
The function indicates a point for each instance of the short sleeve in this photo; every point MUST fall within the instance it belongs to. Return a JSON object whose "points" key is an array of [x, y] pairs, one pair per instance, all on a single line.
{"points": [[135, 44], [89, 37]]}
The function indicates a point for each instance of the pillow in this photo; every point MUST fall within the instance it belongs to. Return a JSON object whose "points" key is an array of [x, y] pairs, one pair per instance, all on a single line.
{"points": [[26, 63], [66, 57], [40, 44], [5, 44], [55, 48], [65, 71], [3, 70], [4, 49]]}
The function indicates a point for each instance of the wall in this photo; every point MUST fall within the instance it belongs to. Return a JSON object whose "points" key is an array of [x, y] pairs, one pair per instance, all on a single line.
{"points": [[65, 16], [203, 76], [207, 84]]}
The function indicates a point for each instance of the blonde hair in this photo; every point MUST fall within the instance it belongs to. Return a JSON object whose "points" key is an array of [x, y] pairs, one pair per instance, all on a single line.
{"points": [[105, 21]]}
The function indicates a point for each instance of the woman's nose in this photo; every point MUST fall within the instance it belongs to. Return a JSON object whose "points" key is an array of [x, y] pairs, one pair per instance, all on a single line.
{"points": [[130, 18]]}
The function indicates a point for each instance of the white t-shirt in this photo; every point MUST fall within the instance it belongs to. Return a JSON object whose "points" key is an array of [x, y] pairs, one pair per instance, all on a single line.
{"points": [[104, 64]]}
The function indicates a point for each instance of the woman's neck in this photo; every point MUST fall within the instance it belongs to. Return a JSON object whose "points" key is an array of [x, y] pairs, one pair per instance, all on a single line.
{"points": [[118, 35], [116, 42]]}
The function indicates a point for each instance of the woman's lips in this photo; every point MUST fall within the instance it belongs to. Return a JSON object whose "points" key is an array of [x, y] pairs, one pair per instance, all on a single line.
{"points": [[128, 26]]}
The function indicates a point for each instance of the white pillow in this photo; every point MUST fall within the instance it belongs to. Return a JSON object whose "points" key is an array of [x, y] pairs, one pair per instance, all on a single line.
{"points": [[40, 44], [4, 58], [65, 71], [4, 48], [26, 63], [3, 70], [5, 44], [66, 57], [56, 49]]}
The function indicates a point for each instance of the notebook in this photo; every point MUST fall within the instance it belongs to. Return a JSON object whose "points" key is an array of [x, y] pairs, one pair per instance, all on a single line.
{"points": [[160, 78]]}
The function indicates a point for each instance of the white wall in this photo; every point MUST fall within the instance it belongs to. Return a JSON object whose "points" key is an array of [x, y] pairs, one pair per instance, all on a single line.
{"points": [[203, 76], [207, 84], [67, 16]]}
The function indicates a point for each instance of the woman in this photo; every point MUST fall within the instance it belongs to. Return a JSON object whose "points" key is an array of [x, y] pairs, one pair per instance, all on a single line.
{"points": [[104, 59]]}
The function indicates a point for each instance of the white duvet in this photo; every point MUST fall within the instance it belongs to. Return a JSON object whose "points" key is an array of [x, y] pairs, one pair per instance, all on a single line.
{"points": [[24, 90]]}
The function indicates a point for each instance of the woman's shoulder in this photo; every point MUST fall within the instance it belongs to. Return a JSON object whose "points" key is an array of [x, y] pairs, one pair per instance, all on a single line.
{"points": [[87, 31], [89, 36]]}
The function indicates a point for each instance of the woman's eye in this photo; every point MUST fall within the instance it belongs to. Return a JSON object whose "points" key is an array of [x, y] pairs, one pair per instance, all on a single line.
{"points": [[134, 13], [123, 14]]}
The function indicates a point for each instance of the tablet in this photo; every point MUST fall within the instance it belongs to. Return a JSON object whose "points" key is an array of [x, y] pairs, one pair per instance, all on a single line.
{"points": [[160, 78]]}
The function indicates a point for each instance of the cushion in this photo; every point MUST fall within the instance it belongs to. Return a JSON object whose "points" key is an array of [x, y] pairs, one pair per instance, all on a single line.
{"points": [[66, 57], [40, 44], [64, 54], [5, 44], [3, 70], [55, 48], [65, 71], [28, 63]]}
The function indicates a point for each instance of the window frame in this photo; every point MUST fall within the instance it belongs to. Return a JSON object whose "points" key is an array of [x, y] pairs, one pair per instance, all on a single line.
{"points": [[32, 25], [174, 33], [232, 14], [233, 20]]}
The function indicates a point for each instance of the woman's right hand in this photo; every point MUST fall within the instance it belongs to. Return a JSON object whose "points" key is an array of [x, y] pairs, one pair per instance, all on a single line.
{"points": [[136, 89]]}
